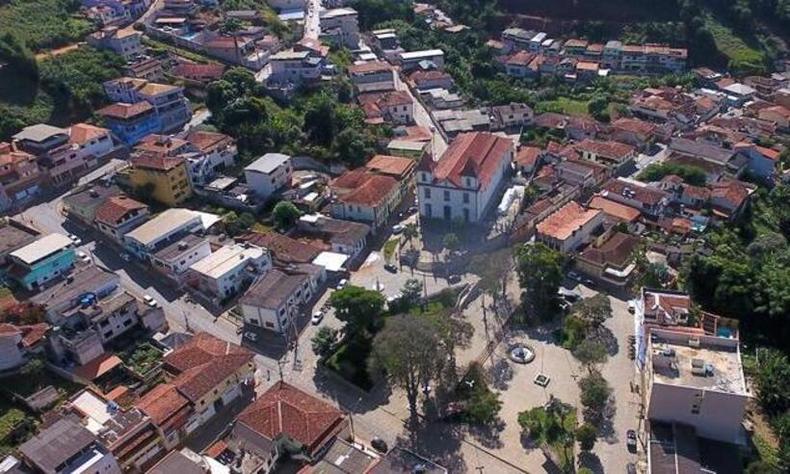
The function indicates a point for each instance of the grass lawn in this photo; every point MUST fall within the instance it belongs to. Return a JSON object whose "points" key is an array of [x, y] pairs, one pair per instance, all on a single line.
{"points": [[743, 56], [389, 249], [563, 105], [10, 418], [350, 361], [44, 23]]}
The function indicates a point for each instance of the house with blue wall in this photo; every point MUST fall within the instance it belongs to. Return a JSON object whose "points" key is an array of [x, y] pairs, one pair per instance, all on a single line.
{"points": [[43, 260], [131, 122]]}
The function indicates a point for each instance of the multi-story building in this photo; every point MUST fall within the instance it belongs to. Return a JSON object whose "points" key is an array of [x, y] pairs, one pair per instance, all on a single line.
{"points": [[118, 215], [648, 200], [149, 69], [517, 38], [411, 60], [216, 152], [128, 434], [168, 101], [697, 380], [269, 174], [131, 122], [340, 26], [166, 177], [463, 183], [168, 410], [396, 107], [65, 164], [166, 228], [114, 315], [341, 236], [612, 154], [275, 301], [210, 373], [175, 259], [126, 42], [40, 138], [45, 259], [511, 116], [364, 195], [66, 446], [20, 177], [225, 272], [372, 76], [296, 67]]}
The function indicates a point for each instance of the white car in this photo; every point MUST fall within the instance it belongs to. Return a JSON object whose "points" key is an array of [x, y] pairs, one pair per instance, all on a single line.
{"points": [[341, 284], [126, 257], [397, 229], [632, 306], [83, 256], [251, 336], [317, 317], [75, 240], [150, 301]]}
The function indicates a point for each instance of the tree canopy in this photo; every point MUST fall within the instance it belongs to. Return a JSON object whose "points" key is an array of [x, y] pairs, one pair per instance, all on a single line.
{"points": [[539, 271]]}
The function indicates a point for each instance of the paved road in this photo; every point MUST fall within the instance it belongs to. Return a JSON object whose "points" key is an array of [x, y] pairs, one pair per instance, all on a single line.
{"points": [[312, 22], [47, 217], [423, 118]]}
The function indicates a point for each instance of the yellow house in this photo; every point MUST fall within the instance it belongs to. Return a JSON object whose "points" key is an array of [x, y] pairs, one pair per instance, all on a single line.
{"points": [[166, 176], [210, 373]]}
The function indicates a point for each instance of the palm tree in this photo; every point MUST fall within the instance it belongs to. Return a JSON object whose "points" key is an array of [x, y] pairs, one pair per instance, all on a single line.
{"points": [[411, 232]]}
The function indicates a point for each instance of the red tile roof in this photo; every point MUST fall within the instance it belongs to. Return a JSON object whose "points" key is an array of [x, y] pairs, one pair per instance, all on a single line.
{"points": [[396, 166], [371, 67], [162, 402], [634, 125], [614, 209], [363, 187], [616, 251], [385, 99], [608, 149], [82, 133], [476, 154], [156, 162], [732, 191], [284, 248], [200, 350], [562, 223], [125, 111], [33, 334], [189, 70], [643, 194], [284, 409], [528, 156], [208, 141], [115, 208], [521, 58], [203, 363]]}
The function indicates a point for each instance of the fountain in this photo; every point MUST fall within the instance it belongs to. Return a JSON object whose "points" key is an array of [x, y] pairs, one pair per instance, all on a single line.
{"points": [[522, 354]]}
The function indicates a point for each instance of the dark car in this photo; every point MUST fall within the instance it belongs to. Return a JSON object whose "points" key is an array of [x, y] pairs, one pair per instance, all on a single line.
{"points": [[391, 268], [630, 439], [453, 279], [630, 468], [379, 445]]}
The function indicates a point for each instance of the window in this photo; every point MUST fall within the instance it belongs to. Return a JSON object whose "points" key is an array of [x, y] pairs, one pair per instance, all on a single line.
{"points": [[427, 193], [466, 198], [446, 195]]}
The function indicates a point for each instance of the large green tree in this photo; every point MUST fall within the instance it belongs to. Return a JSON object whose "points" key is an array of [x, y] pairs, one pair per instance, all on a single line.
{"points": [[408, 351], [359, 308], [539, 271]]}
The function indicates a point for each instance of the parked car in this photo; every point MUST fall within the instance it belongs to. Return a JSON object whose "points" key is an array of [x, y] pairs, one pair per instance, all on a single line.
{"points": [[575, 276], [631, 306], [397, 229], [630, 437], [412, 210], [126, 257], [341, 284], [453, 279], [83, 256], [630, 468], [391, 268], [251, 336], [75, 240], [150, 301], [317, 317]]}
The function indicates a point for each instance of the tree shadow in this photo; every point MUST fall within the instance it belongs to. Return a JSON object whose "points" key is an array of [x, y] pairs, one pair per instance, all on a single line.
{"points": [[591, 461], [527, 442], [500, 373], [438, 441], [604, 421], [488, 435], [609, 340], [350, 397]]}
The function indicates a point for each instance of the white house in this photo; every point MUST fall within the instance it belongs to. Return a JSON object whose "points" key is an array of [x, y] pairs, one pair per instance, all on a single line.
{"points": [[226, 271], [411, 59], [697, 380], [274, 301], [340, 26], [126, 42], [463, 183], [294, 67], [268, 174]]}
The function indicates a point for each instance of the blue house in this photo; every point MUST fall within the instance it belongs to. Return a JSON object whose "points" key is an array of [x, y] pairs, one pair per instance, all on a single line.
{"points": [[41, 261], [131, 122]]}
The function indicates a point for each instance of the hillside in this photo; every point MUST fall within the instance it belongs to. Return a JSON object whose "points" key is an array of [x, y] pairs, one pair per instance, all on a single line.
{"points": [[744, 35]]}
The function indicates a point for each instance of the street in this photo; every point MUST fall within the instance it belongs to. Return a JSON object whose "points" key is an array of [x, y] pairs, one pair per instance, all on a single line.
{"points": [[312, 22], [423, 118]]}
